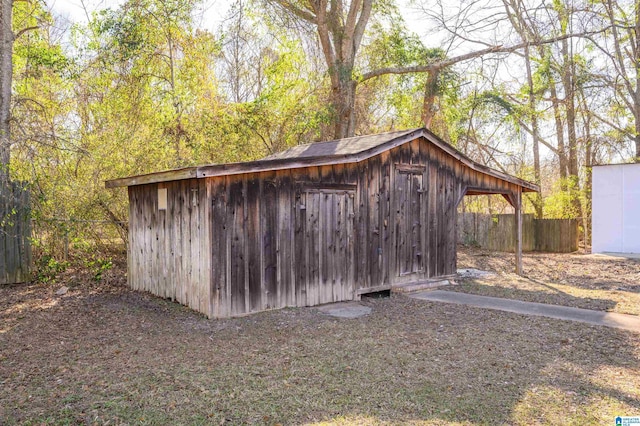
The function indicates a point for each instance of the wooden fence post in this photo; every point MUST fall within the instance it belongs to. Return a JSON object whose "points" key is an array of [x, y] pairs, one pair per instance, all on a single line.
{"points": [[518, 208]]}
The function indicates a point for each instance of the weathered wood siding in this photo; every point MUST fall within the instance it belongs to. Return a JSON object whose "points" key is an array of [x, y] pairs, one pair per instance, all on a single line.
{"points": [[15, 232], [302, 237], [282, 238], [314, 235], [169, 250]]}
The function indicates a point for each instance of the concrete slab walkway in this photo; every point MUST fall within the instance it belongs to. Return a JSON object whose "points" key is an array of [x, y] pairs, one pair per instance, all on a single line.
{"points": [[349, 310], [608, 319]]}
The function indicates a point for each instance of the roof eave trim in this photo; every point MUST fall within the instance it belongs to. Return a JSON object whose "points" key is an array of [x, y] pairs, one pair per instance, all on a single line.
{"points": [[178, 174]]}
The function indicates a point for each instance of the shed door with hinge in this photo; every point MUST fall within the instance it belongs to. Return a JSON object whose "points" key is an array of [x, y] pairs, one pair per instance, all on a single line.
{"points": [[408, 222], [325, 248]]}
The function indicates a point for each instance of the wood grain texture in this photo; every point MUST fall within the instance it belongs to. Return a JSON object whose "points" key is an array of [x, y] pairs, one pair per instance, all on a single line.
{"points": [[231, 245], [15, 233], [169, 249]]}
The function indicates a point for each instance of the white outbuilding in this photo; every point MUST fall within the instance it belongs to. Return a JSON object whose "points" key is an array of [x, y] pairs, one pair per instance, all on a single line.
{"points": [[616, 209]]}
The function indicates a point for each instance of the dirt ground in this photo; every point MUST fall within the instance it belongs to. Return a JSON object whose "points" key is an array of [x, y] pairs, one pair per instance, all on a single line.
{"points": [[102, 354], [578, 279]]}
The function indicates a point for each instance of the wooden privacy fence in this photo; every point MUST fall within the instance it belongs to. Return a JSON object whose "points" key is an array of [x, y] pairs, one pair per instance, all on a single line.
{"points": [[15, 233], [497, 232]]}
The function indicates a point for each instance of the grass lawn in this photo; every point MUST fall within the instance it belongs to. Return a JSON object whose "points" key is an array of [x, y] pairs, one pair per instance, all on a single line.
{"points": [[103, 354]]}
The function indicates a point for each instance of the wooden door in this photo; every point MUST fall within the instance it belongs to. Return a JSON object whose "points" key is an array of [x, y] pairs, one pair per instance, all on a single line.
{"points": [[408, 190], [326, 248]]}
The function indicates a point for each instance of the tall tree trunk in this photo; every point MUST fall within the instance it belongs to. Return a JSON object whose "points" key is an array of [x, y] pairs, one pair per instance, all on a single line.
{"points": [[6, 74], [588, 161], [538, 204], [344, 105], [586, 213], [340, 37], [562, 152], [570, 108], [430, 93]]}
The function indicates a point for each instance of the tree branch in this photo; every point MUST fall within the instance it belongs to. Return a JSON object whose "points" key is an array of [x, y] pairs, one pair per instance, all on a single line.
{"points": [[361, 24], [467, 56], [300, 13], [540, 138], [24, 30]]}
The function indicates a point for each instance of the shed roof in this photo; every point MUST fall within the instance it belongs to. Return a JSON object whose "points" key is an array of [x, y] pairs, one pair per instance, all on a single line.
{"points": [[347, 146], [341, 151], [615, 165]]}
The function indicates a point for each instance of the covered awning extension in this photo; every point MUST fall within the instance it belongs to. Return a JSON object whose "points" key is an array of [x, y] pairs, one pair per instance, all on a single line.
{"points": [[513, 197]]}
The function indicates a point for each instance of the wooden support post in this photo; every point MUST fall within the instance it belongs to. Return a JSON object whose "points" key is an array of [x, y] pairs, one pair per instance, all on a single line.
{"points": [[518, 223]]}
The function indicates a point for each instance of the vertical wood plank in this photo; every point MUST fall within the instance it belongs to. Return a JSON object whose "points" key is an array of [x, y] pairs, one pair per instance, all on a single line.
{"points": [[414, 147], [313, 288], [351, 263], [196, 235], [339, 252], [230, 226], [417, 191], [206, 246], [450, 217], [170, 242], [518, 209], [385, 220], [425, 149], [133, 257], [322, 246], [270, 209], [373, 222], [399, 200], [434, 189], [184, 242], [362, 231], [219, 237], [300, 249], [245, 246], [254, 243], [161, 252], [237, 255], [286, 227]]}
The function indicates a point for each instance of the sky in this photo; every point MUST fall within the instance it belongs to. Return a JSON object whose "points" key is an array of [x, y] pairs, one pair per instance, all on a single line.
{"points": [[74, 10], [213, 16]]}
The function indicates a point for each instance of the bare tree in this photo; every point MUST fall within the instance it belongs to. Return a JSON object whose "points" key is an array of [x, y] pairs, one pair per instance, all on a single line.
{"points": [[621, 47], [515, 12], [340, 26], [6, 74]]}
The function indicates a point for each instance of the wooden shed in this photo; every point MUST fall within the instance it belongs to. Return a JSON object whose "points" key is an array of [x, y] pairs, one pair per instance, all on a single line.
{"points": [[318, 223]]}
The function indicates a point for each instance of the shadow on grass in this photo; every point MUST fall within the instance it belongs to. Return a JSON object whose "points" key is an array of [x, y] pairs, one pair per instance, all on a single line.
{"points": [[133, 358], [551, 296]]}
